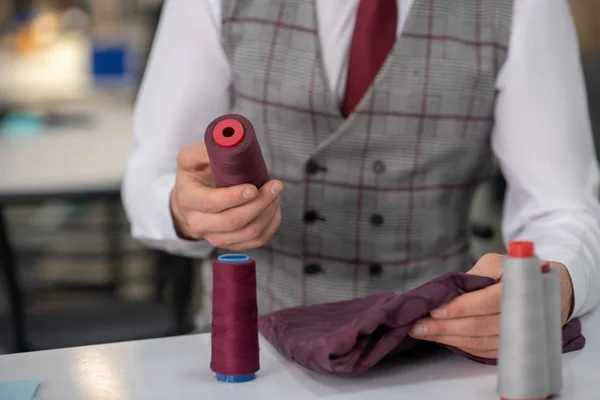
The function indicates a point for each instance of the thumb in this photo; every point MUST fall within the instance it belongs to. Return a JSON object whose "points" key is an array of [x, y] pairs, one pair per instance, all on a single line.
{"points": [[489, 265], [193, 161], [193, 157]]}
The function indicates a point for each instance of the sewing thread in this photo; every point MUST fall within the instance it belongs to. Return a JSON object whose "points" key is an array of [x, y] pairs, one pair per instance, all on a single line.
{"points": [[551, 284], [523, 372], [234, 333], [234, 152], [236, 158]]}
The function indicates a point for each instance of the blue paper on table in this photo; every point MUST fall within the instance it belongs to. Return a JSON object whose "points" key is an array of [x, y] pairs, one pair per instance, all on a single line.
{"points": [[18, 390]]}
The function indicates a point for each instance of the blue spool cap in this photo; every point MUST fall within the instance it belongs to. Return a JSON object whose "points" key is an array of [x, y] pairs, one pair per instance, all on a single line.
{"points": [[235, 378], [234, 258]]}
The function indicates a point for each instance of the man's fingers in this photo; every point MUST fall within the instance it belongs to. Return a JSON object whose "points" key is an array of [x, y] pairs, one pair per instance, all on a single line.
{"points": [[232, 218], [489, 265], [481, 302], [193, 165], [236, 218], [250, 232], [471, 326], [468, 344], [206, 210], [263, 239], [214, 200]]}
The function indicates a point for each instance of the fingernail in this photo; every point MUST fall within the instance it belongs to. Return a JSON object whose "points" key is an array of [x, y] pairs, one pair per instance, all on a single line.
{"points": [[248, 194], [276, 189], [438, 312], [419, 329]]}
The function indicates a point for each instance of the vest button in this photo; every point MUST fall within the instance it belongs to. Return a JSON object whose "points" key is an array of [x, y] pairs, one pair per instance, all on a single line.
{"points": [[312, 269], [378, 167], [311, 216], [482, 231], [312, 167], [376, 220], [375, 269]]}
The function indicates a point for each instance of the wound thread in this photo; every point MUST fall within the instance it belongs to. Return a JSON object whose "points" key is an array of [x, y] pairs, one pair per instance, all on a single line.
{"points": [[234, 152], [234, 333], [235, 158], [523, 364], [551, 283]]}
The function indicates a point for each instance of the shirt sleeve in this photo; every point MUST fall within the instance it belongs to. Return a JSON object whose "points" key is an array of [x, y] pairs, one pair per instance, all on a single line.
{"points": [[185, 86], [543, 140]]}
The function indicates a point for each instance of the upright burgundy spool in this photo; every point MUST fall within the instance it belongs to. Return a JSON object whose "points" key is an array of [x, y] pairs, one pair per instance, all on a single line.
{"points": [[234, 152], [236, 158], [234, 346]]}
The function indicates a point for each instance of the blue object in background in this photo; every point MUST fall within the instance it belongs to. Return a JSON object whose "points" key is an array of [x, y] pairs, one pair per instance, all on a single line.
{"points": [[19, 390], [109, 60], [21, 125], [22, 17], [19, 18], [111, 64]]}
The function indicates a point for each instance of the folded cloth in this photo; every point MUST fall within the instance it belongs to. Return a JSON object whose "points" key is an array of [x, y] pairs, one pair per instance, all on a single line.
{"points": [[350, 337]]}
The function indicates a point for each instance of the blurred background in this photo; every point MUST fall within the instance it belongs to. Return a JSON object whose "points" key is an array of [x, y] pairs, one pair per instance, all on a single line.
{"points": [[70, 274]]}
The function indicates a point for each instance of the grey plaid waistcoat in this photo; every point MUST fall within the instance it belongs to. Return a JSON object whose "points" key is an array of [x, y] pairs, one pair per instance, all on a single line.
{"points": [[378, 201]]}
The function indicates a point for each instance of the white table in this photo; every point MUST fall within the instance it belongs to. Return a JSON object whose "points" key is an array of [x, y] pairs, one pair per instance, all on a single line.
{"points": [[178, 368], [69, 160]]}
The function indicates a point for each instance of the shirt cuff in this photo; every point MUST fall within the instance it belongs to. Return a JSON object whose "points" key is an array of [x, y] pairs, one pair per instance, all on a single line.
{"points": [[576, 267], [162, 235]]}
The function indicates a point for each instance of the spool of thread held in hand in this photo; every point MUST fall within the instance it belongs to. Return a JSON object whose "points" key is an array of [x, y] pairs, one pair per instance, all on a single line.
{"points": [[235, 158], [234, 152]]}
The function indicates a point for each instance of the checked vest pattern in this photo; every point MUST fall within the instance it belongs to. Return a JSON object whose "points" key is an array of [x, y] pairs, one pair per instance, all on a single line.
{"points": [[377, 201]]}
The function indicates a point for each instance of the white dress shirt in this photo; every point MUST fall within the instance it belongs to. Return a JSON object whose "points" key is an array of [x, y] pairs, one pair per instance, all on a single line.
{"points": [[542, 135]]}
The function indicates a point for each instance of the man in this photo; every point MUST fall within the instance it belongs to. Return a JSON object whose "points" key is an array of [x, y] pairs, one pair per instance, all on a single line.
{"points": [[379, 118]]}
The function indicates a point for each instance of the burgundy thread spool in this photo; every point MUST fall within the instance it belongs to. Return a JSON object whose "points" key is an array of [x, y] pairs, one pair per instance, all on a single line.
{"points": [[236, 158], [234, 347], [234, 152]]}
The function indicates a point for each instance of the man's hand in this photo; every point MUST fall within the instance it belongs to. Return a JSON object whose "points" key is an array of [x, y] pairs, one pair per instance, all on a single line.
{"points": [[471, 322], [236, 218]]}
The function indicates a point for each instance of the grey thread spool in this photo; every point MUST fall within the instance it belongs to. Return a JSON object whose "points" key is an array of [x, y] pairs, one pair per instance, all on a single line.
{"points": [[522, 357], [551, 283]]}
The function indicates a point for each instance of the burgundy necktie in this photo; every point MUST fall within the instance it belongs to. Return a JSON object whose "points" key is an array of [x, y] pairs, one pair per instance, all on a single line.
{"points": [[373, 38]]}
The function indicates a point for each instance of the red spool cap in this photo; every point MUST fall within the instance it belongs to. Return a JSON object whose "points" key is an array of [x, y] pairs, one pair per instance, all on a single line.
{"points": [[228, 133], [521, 249], [545, 267]]}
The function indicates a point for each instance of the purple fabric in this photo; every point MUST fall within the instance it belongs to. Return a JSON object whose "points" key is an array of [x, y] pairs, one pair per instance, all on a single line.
{"points": [[349, 337]]}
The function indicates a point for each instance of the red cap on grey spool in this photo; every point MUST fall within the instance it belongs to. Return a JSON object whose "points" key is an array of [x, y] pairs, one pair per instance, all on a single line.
{"points": [[520, 249]]}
